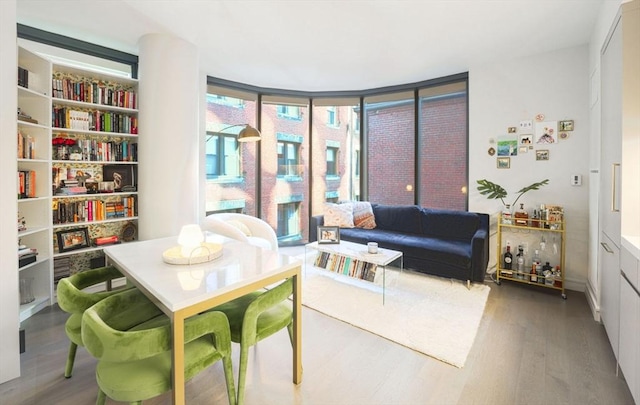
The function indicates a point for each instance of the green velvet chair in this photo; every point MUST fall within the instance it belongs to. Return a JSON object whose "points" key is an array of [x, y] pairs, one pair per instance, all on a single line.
{"points": [[74, 300], [256, 316], [131, 338]]}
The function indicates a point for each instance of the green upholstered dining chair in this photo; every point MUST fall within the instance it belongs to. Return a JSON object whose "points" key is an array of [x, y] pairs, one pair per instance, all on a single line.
{"points": [[73, 299], [131, 338], [256, 316]]}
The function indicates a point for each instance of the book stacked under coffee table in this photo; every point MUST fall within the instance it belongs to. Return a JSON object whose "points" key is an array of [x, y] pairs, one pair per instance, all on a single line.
{"points": [[354, 260]]}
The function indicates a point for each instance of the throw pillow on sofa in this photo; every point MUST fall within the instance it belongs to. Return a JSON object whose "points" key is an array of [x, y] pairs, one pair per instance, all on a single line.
{"points": [[340, 215], [363, 215]]}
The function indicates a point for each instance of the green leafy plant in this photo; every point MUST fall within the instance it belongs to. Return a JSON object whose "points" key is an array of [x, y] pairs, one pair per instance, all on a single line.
{"points": [[494, 191]]}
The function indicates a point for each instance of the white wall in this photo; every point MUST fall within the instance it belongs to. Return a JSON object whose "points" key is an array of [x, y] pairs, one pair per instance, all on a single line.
{"points": [[9, 299], [506, 92]]}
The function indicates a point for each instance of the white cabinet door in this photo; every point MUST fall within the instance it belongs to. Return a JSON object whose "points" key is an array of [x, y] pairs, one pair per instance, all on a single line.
{"points": [[610, 289], [630, 337], [611, 135]]}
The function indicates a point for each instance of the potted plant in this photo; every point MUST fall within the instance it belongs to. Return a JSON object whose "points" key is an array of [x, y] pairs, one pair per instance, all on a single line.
{"points": [[494, 191]]}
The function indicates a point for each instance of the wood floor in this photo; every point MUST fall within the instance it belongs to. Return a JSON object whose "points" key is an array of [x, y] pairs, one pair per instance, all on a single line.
{"points": [[532, 348]]}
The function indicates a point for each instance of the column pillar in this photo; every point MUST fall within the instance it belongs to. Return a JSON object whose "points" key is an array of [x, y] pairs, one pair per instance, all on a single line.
{"points": [[169, 140]]}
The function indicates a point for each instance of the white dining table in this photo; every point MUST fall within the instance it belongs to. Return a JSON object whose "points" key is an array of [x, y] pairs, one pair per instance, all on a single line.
{"points": [[181, 291]]}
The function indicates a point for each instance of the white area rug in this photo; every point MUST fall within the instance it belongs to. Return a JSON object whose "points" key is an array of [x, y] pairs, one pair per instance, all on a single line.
{"points": [[435, 316]]}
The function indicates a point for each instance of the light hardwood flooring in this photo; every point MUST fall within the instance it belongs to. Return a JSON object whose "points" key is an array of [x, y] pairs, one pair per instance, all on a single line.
{"points": [[532, 347]]}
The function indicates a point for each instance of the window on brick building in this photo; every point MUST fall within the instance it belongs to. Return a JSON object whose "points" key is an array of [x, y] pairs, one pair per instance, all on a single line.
{"points": [[223, 156], [332, 161], [289, 111], [332, 117], [288, 220], [224, 100], [288, 159]]}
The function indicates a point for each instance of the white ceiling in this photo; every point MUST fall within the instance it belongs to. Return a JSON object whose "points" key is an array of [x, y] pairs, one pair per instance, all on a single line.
{"points": [[328, 45]]}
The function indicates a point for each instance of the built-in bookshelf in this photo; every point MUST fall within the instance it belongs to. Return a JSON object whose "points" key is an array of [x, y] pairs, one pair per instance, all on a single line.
{"points": [[76, 184], [94, 158], [33, 190]]}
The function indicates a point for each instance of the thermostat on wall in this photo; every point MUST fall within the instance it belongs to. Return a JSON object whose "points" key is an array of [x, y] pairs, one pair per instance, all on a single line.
{"points": [[576, 180]]}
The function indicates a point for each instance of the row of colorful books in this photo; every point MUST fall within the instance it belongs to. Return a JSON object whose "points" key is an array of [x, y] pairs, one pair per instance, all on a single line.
{"points": [[94, 151], [101, 121], [346, 265], [67, 212], [93, 92]]}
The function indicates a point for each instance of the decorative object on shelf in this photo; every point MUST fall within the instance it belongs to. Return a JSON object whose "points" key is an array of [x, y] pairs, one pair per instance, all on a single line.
{"points": [[72, 239], [129, 232], [192, 249], [106, 240], [494, 191], [22, 116], [246, 134], [26, 292], [328, 234]]}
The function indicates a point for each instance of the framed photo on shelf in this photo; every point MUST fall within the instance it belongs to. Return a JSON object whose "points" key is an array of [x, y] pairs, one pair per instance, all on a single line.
{"points": [[328, 234], [72, 239], [123, 176]]}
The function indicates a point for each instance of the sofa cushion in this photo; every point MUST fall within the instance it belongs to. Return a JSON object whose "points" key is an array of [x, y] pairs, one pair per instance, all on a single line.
{"points": [[446, 224], [399, 218], [363, 215], [338, 215]]}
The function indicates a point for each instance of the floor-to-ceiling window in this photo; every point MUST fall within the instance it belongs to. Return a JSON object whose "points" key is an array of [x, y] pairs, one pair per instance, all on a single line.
{"points": [[406, 146], [335, 140], [390, 133], [443, 146], [285, 167], [230, 165]]}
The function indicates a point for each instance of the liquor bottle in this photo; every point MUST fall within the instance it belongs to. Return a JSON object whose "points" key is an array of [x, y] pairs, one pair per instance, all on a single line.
{"points": [[507, 260], [520, 262], [521, 216], [535, 221], [534, 275], [506, 215]]}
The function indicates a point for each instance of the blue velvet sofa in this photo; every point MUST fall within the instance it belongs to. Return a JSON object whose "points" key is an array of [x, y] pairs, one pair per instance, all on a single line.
{"points": [[446, 243]]}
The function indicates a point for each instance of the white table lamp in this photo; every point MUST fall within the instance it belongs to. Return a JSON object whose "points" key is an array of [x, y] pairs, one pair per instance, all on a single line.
{"points": [[192, 248]]}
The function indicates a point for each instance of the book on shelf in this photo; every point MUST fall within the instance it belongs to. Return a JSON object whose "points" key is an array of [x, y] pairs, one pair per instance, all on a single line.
{"points": [[26, 184], [26, 146], [61, 268], [23, 77]]}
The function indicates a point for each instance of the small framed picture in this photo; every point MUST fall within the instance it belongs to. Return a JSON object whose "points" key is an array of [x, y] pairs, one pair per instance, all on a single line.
{"points": [[328, 234], [526, 139], [504, 162], [523, 149], [542, 154], [122, 176], [72, 239], [565, 125]]}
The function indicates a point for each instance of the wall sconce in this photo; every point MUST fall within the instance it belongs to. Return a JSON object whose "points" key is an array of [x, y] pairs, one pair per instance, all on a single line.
{"points": [[246, 134], [192, 249]]}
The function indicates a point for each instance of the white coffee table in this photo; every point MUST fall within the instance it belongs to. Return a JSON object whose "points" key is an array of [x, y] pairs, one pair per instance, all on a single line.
{"points": [[357, 251]]}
